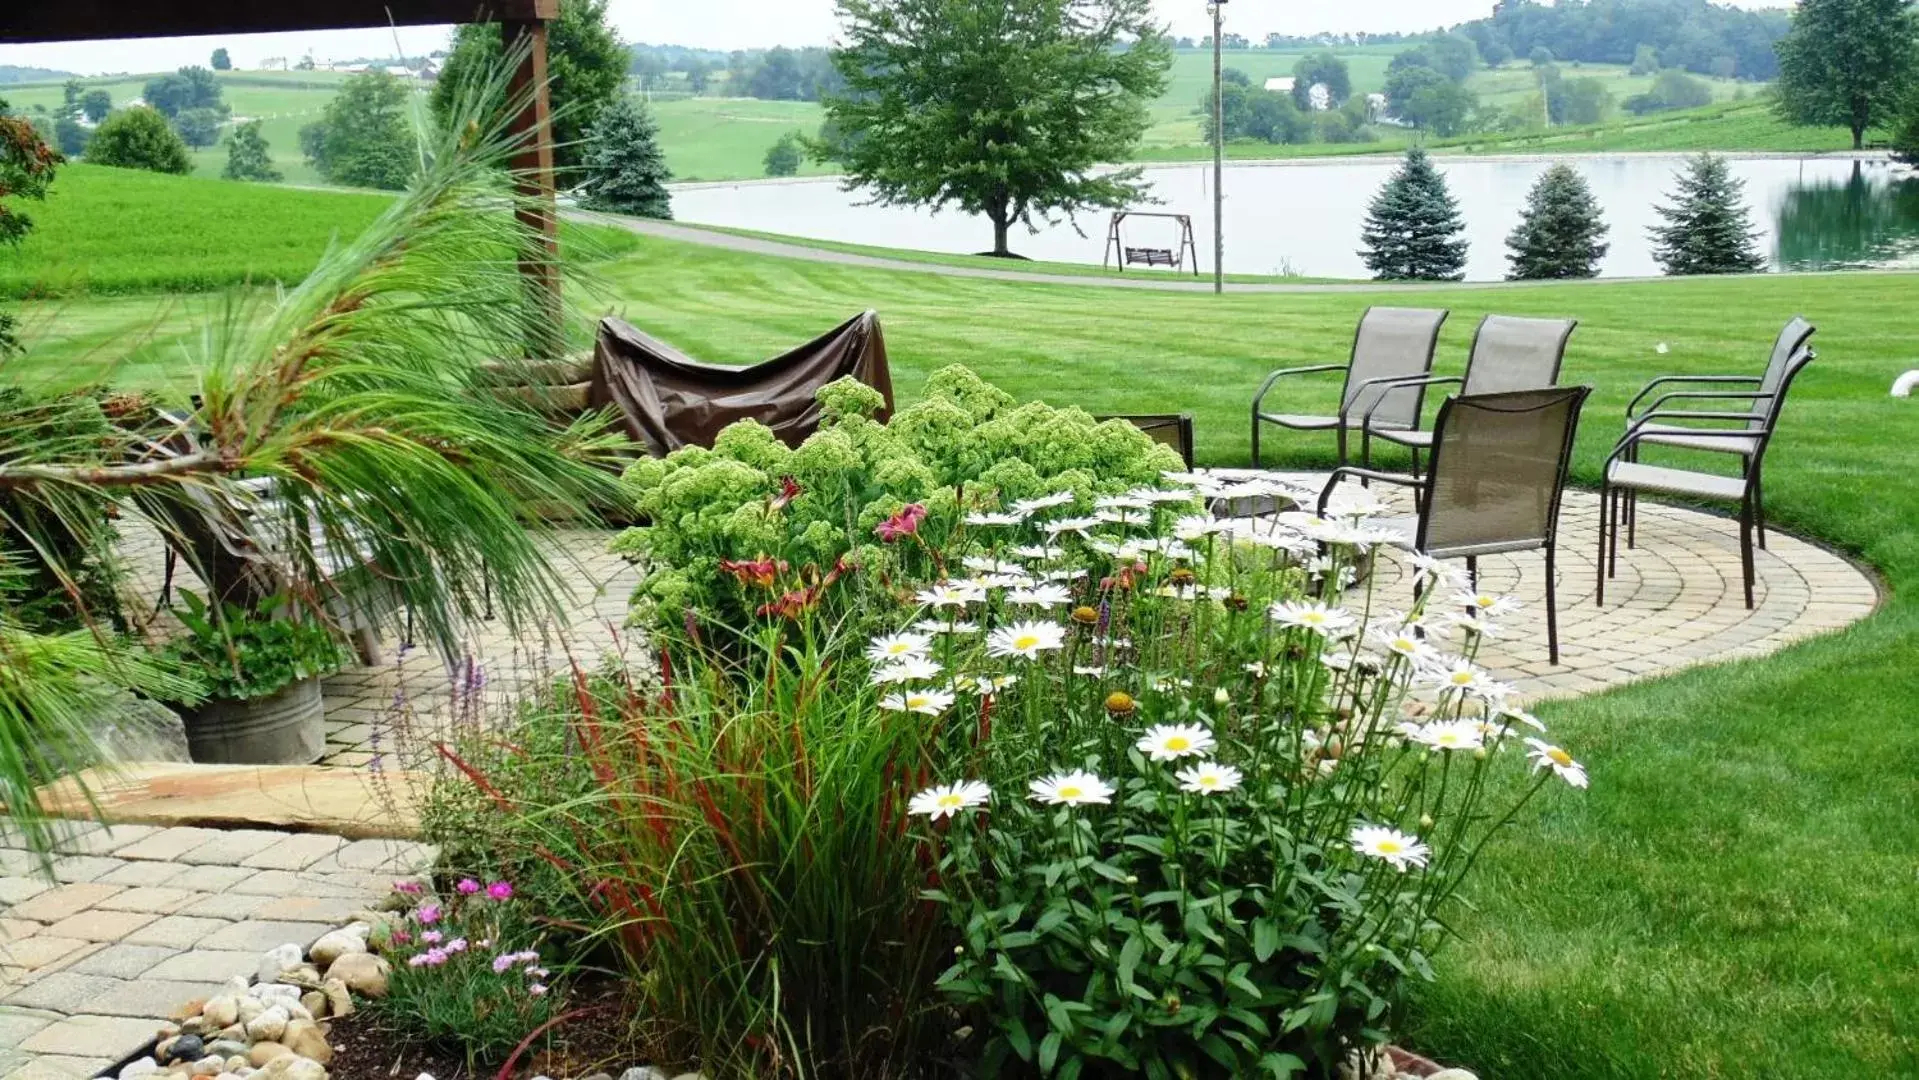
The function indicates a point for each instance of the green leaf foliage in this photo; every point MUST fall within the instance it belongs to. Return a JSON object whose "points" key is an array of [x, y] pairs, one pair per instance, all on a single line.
{"points": [[1708, 227], [784, 158], [1846, 63], [625, 171], [1561, 231], [248, 157], [366, 137], [586, 69], [236, 653], [1006, 110], [139, 138], [1413, 228]]}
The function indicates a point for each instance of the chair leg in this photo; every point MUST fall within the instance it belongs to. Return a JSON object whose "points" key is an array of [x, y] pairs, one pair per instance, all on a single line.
{"points": [[1632, 506], [1255, 438], [1472, 571], [1759, 506], [1618, 511], [1342, 444], [1599, 565], [1552, 606], [1745, 548]]}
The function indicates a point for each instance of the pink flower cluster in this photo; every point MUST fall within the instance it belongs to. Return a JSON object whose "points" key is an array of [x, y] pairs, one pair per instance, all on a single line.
{"points": [[901, 525]]}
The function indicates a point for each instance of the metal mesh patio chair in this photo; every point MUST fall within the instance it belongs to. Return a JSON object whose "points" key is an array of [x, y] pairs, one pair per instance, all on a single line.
{"points": [[1495, 481], [1763, 394], [1392, 344], [1508, 353], [1626, 477]]}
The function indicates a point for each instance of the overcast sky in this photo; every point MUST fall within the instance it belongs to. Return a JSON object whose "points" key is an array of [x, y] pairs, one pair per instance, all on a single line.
{"points": [[732, 24]]}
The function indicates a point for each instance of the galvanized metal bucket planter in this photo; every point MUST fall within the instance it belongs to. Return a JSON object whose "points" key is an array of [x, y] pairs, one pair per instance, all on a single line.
{"points": [[287, 728]]}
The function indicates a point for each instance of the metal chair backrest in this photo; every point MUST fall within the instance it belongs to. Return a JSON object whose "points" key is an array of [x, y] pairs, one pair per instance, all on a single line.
{"points": [[1792, 341], [1769, 426], [1499, 470], [1393, 343], [1511, 353]]}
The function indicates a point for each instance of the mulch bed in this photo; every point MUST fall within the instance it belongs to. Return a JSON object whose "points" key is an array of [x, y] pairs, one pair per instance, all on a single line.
{"points": [[596, 1042]]}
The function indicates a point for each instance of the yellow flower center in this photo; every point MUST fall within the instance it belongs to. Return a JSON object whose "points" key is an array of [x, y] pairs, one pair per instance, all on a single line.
{"points": [[1390, 847], [1071, 791], [1559, 757], [898, 648], [951, 802], [1209, 781], [917, 701], [1462, 678], [1026, 641], [1312, 617], [1178, 743]]}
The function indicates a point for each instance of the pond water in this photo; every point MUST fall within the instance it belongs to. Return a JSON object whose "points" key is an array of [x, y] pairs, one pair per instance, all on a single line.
{"points": [[1304, 218]]}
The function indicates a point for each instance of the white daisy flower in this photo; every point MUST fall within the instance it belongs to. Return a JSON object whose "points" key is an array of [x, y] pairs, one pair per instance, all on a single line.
{"points": [[1405, 642], [1044, 502], [1196, 526], [1077, 788], [1093, 671], [940, 626], [1208, 778], [949, 799], [951, 594], [1484, 603], [1070, 525], [1025, 639], [910, 669], [1317, 617], [992, 520], [1170, 548], [1459, 677], [1257, 669], [1545, 755], [1157, 495], [1039, 552], [981, 564], [1062, 575], [1448, 735], [1160, 684], [1509, 714], [1135, 518], [1122, 502], [1474, 623], [1170, 742], [929, 702], [1041, 596], [897, 647], [1396, 848]]}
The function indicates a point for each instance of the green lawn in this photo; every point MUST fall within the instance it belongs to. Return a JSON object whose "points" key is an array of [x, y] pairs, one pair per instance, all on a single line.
{"points": [[1736, 896], [108, 231], [727, 138]]}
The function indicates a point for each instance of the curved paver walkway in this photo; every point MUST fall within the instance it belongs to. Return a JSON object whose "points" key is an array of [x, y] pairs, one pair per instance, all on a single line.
{"points": [[1146, 280]]}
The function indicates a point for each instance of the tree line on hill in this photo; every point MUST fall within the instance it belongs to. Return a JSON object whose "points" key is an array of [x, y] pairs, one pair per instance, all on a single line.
{"points": [[777, 74], [1693, 35]]}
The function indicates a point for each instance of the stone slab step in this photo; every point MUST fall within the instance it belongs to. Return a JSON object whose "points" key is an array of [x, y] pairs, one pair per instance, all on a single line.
{"points": [[354, 803]]}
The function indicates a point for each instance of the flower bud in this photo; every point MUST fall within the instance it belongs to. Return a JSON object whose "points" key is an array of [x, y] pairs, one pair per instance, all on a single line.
{"points": [[1221, 697], [1425, 822], [1132, 879], [1121, 704]]}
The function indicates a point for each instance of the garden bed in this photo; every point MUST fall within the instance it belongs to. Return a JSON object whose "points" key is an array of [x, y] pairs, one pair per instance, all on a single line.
{"points": [[597, 1041]]}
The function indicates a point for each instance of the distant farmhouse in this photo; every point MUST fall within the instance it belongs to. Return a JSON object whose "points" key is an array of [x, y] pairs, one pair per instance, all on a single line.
{"points": [[1320, 97]]}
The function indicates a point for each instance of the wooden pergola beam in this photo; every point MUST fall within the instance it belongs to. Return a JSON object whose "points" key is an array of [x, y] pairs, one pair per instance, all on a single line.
{"points": [[520, 20], [94, 20]]}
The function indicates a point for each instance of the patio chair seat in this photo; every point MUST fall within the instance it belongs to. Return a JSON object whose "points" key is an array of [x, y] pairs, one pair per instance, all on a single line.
{"points": [[1637, 477], [1418, 440], [1685, 438], [1303, 422]]}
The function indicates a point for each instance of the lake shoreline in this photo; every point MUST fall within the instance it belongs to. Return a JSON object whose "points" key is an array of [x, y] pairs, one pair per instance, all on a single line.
{"points": [[1528, 158]]}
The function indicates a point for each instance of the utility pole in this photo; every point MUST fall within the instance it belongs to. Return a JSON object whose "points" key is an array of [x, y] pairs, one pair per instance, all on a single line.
{"points": [[1219, 152]]}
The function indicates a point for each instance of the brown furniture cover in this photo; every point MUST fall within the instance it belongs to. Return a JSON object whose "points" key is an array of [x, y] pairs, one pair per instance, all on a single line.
{"points": [[668, 400]]}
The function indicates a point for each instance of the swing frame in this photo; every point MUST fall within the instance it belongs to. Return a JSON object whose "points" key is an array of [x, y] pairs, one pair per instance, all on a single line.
{"points": [[1174, 258]]}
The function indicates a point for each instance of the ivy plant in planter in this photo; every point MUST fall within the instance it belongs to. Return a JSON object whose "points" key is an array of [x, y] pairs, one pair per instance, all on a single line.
{"points": [[260, 670]]}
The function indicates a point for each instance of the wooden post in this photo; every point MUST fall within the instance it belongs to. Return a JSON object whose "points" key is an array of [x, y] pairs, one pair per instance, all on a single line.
{"points": [[533, 166]]}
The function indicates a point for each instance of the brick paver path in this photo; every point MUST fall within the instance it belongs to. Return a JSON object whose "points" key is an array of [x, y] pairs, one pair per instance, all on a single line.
{"points": [[139, 920]]}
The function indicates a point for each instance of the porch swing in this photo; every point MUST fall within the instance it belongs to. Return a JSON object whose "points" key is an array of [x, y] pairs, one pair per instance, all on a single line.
{"points": [[1173, 258]]}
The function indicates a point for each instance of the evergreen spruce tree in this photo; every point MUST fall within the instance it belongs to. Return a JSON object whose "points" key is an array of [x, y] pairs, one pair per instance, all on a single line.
{"points": [[1560, 233], [625, 171], [247, 157], [1708, 227], [1413, 227]]}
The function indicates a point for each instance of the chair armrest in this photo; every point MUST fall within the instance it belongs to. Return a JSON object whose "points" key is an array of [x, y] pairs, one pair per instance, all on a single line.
{"points": [[1267, 386], [1710, 395], [1332, 482], [1638, 428], [1396, 382], [1664, 380]]}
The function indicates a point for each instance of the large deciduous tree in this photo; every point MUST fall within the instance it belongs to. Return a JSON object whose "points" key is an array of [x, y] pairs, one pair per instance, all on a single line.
{"points": [[1413, 228], [139, 139], [188, 88], [26, 171], [1561, 233], [586, 71], [1847, 62], [1708, 227], [1004, 108], [364, 139], [248, 157], [1322, 68]]}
